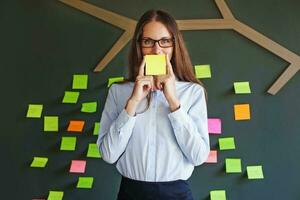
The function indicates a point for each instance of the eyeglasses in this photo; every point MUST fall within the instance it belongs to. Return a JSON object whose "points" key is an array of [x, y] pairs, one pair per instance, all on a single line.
{"points": [[163, 43]]}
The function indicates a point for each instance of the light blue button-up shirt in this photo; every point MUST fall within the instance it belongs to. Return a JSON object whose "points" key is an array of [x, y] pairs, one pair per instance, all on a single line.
{"points": [[157, 145]]}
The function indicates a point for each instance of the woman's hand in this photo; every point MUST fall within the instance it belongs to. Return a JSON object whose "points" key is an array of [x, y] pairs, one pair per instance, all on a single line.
{"points": [[142, 86], [167, 84]]}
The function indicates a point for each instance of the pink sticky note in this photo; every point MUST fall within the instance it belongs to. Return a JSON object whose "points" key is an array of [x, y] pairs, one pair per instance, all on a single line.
{"points": [[212, 157], [78, 166], [214, 125]]}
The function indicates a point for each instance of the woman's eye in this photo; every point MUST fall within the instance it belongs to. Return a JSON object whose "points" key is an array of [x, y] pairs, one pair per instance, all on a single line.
{"points": [[147, 41], [164, 41]]}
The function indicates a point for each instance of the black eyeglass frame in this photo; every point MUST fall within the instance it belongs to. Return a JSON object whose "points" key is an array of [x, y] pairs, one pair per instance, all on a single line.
{"points": [[157, 41]]}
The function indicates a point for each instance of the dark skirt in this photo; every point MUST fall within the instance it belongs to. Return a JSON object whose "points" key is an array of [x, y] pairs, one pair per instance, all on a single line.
{"points": [[140, 190]]}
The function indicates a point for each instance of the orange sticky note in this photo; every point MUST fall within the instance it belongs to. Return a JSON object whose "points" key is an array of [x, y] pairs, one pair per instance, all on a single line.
{"points": [[242, 112], [75, 126], [78, 166], [212, 157]]}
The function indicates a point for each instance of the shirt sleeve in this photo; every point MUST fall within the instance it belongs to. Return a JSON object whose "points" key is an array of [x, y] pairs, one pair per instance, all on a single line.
{"points": [[191, 128], [116, 129]]}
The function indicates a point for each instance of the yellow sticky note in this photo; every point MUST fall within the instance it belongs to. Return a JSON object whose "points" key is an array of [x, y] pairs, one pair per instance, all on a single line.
{"points": [[226, 143], [80, 81], [39, 162], [68, 143], [85, 182], [93, 151], [202, 71], [155, 65], [114, 80], [242, 87], [34, 110], [89, 107], [51, 123], [55, 195], [242, 112], [70, 97], [218, 195], [96, 128], [233, 165], [255, 172]]}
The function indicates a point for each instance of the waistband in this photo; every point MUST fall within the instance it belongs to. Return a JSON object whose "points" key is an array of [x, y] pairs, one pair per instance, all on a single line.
{"points": [[132, 181]]}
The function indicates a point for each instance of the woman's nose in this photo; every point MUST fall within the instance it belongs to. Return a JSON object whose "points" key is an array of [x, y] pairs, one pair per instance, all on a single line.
{"points": [[156, 49]]}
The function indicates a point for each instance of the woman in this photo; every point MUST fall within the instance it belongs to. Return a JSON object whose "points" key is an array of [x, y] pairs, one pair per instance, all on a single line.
{"points": [[155, 127]]}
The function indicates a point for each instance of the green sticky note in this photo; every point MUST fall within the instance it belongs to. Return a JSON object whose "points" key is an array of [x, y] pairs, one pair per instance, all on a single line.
{"points": [[80, 81], [233, 165], [85, 182], [68, 143], [39, 162], [226, 143], [255, 172], [217, 195], [34, 110], [93, 151], [70, 97], [50, 123], [96, 128], [242, 87], [155, 65], [55, 195], [89, 107], [202, 71], [114, 80]]}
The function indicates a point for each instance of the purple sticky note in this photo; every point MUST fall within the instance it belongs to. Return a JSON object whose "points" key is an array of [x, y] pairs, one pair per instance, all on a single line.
{"points": [[214, 125]]}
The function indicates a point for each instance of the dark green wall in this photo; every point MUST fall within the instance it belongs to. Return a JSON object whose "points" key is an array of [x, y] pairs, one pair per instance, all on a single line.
{"points": [[43, 43]]}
